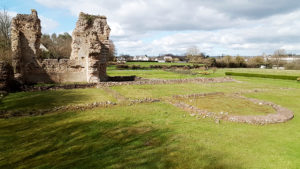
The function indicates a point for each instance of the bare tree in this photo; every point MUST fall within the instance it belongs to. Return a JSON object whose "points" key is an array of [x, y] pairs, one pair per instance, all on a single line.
{"points": [[59, 46], [5, 23], [240, 61], [256, 61], [278, 54], [112, 51], [194, 54]]}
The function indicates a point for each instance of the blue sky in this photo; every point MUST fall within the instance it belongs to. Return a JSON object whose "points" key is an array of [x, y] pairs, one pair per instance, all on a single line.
{"points": [[65, 20], [156, 27]]}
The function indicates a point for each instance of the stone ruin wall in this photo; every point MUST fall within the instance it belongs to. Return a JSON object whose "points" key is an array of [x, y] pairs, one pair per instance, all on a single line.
{"points": [[91, 45], [87, 62], [25, 42]]}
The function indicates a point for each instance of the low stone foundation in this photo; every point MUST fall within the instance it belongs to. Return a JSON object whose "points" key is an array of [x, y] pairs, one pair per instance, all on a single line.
{"points": [[282, 115]]}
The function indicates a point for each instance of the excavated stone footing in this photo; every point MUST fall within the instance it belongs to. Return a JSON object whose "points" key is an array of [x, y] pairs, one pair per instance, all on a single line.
{"points": [[282, 114]]}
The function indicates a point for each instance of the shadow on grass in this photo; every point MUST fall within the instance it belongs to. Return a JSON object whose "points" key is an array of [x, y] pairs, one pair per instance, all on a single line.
{"points": [[66, 141], [30, 101], [83, 144]]}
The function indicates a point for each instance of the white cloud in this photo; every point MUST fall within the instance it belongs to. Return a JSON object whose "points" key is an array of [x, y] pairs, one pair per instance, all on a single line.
{"points": [[12, 13], [48, 25], [228, 26]]}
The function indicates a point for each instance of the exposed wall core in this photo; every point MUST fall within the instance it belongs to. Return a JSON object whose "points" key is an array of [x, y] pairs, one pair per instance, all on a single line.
{"points": [[91, 45], [87, 62]]}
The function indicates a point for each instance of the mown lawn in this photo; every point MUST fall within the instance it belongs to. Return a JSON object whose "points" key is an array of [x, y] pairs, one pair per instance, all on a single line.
{"points": [[228, 104], [24, 101], [147, 64], [266, 71], [150, 74], [151, 135], [162, 74]]}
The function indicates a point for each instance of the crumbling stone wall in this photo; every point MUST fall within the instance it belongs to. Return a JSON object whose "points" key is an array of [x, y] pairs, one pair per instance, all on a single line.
{"points": [[91, 45], [25, 42], [87, 63]]}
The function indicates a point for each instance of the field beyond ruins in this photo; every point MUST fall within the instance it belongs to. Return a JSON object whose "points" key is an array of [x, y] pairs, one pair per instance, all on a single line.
{"points": [[147, 125]]}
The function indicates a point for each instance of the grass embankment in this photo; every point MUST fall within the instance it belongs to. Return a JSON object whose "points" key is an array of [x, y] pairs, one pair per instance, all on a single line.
{"points": [[152, 135]]}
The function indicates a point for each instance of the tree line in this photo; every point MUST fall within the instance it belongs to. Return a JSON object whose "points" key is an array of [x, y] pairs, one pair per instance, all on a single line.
{"points": [[195, 56], [59, 47]]}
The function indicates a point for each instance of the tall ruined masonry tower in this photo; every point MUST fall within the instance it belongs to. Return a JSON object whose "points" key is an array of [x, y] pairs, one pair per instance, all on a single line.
{"points": [[87, 63], [91, 45], [25, 42]]}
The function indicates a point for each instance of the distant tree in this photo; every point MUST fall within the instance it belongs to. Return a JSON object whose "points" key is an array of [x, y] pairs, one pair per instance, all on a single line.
{"points": [[5, 45], [278, 54], [209, 62], [59, 46], [240, 61], [53, 36], [64, 42], [46, 40], [5, 24], [176, 60], [194, 55], [227, 60], [112, 51], [256, 61]]}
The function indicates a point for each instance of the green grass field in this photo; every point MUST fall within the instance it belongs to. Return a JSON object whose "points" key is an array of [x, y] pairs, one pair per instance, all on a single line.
{"points": [[151, 74], [228, 104], [162, 74], [147, 64], [152, 135], [23, 101], [266, 71]]}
